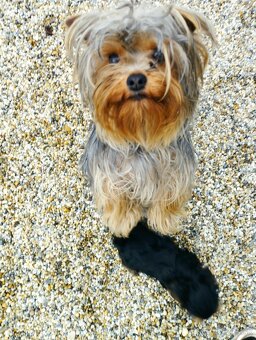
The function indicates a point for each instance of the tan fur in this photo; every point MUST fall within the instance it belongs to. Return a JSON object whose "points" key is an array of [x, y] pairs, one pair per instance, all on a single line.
{"points": [[164, 216], [119, 213]]}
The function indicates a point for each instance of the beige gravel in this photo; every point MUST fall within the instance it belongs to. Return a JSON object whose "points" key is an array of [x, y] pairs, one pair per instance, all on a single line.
{"points": [[60, 277]]}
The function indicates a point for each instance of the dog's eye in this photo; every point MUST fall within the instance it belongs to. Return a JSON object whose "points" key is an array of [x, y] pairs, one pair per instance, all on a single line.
{"points": [[158, 56], [113, 58]]}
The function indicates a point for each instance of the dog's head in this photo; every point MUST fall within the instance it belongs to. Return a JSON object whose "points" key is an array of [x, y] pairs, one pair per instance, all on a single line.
{"points": [[140, 68]]}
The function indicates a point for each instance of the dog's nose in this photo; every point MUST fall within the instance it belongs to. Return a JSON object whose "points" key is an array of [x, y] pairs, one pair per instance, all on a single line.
{"points": [[136, 82]]}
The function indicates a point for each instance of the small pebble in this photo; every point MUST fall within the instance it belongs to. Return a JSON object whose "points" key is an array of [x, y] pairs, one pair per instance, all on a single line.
{"points": [[184, 332]]}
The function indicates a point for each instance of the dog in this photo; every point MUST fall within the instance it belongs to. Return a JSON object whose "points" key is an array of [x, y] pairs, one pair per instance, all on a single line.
{"points": [[141, 68], [178, 270]]}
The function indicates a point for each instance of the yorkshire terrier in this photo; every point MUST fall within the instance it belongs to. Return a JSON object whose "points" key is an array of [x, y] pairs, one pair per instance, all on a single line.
{"points": [[178, 270], [141, 68]]}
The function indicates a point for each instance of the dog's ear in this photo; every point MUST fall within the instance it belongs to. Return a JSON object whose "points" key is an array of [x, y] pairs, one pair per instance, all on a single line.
{"points": [[197, 23], [190, 23], [80, 27], [79, 31], [70, 20]]}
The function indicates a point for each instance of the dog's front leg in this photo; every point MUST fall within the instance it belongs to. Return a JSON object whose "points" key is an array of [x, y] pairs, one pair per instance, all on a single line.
{"points": [[164, 216], [119, 213]]}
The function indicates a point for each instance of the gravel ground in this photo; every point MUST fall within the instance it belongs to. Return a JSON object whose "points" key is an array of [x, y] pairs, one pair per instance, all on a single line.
{"points": [[60, 277]]}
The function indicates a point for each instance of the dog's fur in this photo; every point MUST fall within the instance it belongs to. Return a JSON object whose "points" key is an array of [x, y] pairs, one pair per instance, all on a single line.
{"points": [[139, 158], [178, 270]]}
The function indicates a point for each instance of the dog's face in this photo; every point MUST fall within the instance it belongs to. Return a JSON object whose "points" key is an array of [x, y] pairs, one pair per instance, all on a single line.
{"points": [[141, 72], [130, 98]]}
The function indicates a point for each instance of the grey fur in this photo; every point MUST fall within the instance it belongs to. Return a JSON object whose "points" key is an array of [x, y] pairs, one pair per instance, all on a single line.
{"points": [[142, 175], [149, 179]]}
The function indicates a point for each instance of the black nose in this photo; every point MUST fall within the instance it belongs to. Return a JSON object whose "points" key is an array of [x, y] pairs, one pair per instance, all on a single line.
{"points": [[136, 82]]}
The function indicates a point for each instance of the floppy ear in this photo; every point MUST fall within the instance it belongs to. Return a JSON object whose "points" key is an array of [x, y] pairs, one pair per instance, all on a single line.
{"points": [[70, 20], [190, 24], [190, 53], [197, 23], [79, 31]]}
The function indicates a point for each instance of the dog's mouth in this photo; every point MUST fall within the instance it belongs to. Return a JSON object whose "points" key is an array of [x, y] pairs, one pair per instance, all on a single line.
{"points": [[138, 96]]}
